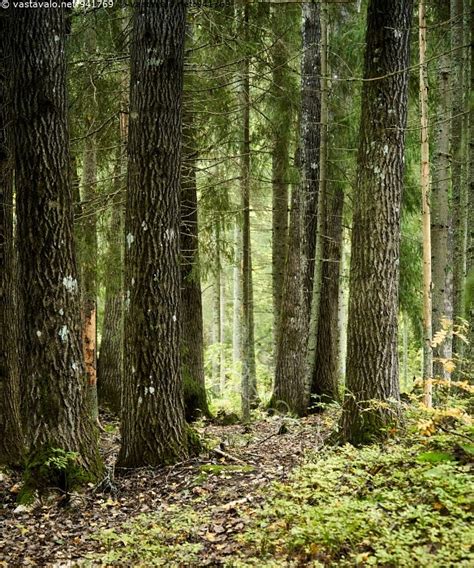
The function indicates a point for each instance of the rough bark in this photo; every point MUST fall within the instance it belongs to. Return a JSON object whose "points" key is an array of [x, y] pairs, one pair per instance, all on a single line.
{"points": [[372, 379], [53, 363], [310, 135], [237, 296], [440, 210], [216, 308], [11, 438], [325, 375], [192, 342], [153, 424], [470, 209], [283, 114]]}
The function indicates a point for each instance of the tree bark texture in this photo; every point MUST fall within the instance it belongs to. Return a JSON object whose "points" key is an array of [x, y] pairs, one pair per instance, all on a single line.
{"points": [[53, 363], [440, 210], [153, 424], [372, 359], [283, 116], [11, 438]]}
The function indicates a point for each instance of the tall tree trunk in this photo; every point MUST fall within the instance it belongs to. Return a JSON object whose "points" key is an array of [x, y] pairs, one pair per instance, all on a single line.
{"points": [[192, 342], [11, 438], [310, 135], [283, 114], [325, 369], [153, 424], [222, 368], [458, 191], [53, 363], [470, 209], [247, 307], [372, 358], [426, 213], [440, 211], [216, 308]]}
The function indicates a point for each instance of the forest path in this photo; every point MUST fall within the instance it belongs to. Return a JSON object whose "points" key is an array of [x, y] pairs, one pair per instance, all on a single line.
{"points": [[207, 493]]}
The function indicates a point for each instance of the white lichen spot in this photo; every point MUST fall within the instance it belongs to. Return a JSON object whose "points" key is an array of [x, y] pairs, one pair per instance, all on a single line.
{"points": [[151, 390], [133, 369], [133, 281], [314, 166], [397, 33], [74, 366], [127, 300], [140, 400], [169, 234], [146, 391], [56, 38], [61, 312], [174, 317], [385, 150], [63, 333], [130, 239], [155, 277], [70, 284], [144, 226], [38, 333]]}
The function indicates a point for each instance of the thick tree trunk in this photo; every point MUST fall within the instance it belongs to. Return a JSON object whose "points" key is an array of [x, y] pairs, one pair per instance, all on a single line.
{"points": [[11, 438], [440, 211], [426, 214], [153, 424], [192, 343], [53, 364], [372, 359], [283, 114], [470, 222]]}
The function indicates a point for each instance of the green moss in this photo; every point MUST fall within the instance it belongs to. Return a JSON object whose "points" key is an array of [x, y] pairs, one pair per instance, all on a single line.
{"points": [[52, 468]]}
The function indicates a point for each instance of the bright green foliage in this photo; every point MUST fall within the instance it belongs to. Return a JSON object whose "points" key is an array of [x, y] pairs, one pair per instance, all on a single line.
{"points": [[155, 540], [402, 504]]}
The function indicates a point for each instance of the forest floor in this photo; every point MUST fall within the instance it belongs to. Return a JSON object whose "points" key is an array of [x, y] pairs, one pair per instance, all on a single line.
{"points": [[195, 508]]}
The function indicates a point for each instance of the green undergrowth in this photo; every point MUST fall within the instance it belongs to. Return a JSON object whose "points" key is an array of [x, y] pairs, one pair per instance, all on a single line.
{"points": [[406, 503], [401, 504], [167, 538]]}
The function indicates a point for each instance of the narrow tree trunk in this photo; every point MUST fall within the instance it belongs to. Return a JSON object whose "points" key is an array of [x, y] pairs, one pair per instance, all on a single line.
{"points": [[222, 366], [280, 162], [458, 191], [426, 213], [372, 358], [216, 309], [247, 318], [53, 363], [310, 136], [470, 224], [153, 424], [440, 211], [11, 438], [192, 342], [325, 368], [237, 295], [88, 259]]}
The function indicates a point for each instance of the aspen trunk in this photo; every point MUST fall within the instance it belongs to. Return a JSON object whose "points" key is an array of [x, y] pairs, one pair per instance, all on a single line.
{"points": [[426, 214]]}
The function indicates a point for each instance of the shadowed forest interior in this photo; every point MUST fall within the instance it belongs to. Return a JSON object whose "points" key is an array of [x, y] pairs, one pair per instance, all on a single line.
{"points": [[236, 283]]}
